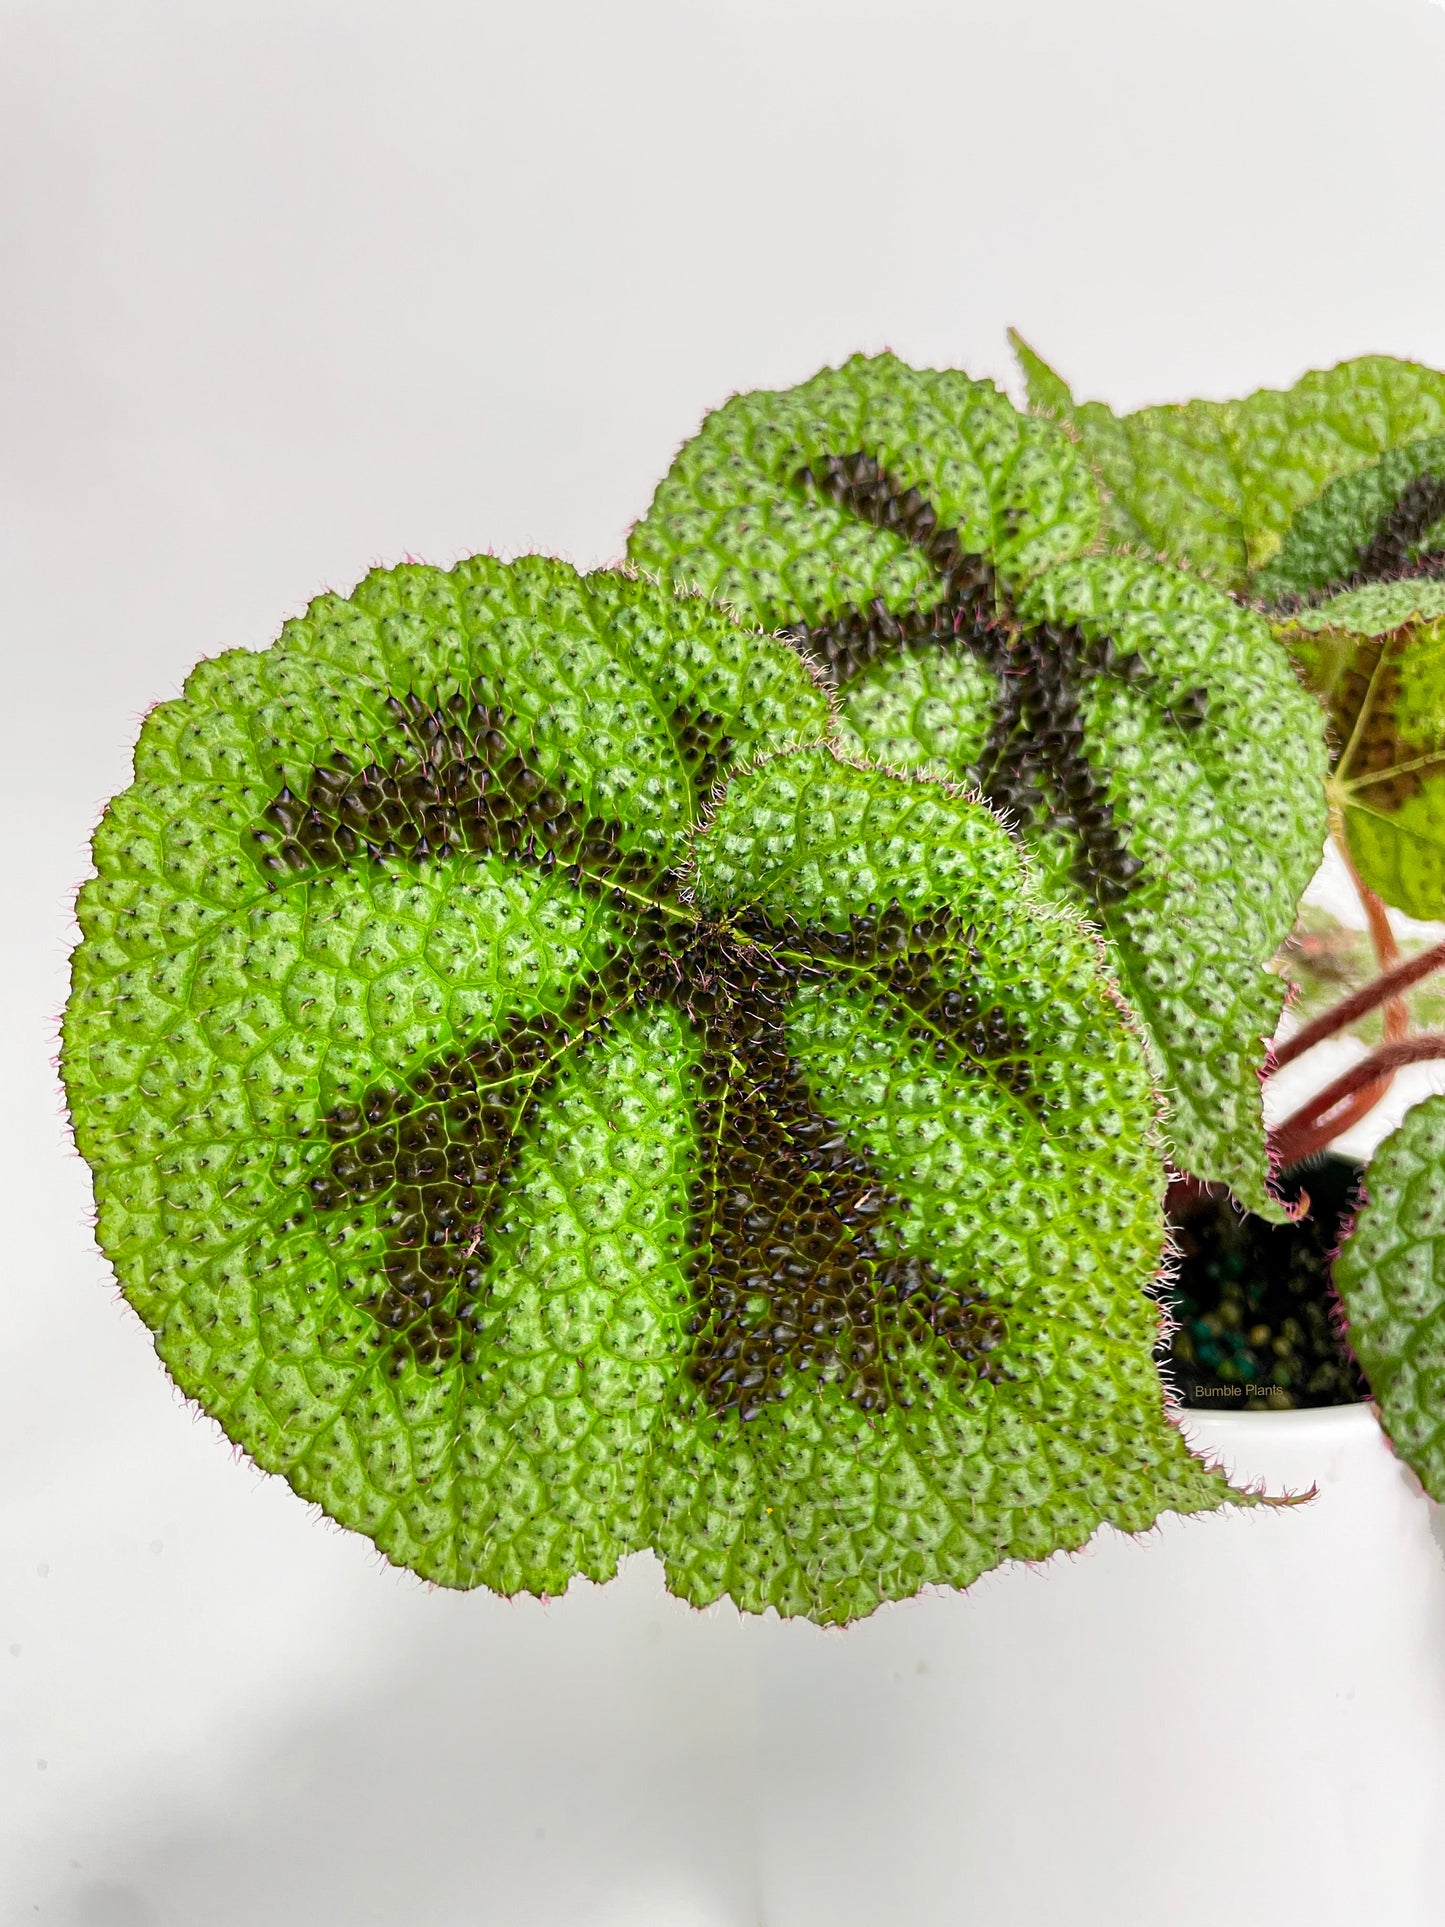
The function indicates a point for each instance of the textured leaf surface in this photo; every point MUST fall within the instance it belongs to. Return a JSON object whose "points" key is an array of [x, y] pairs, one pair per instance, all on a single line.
{"points": [[530, 1177], [1373, 609], [1391, 1278], [1386, 698], [1361, 574], [928, 548], [1214, 486], [733, 511], [1378, 524]]}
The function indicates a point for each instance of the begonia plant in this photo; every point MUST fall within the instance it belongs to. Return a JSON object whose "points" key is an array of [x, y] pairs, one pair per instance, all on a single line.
{"points": [[691, 1057]]}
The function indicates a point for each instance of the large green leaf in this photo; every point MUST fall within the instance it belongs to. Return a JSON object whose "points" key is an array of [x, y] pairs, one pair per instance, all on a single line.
{"points": [[1391, 1278], [1215, 486], [530, 1176], [929, 549]]}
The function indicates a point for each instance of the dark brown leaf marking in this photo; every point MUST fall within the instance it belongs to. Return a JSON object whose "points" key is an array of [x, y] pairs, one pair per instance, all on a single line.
{"points": [[785, 1215], [1035, 763]]}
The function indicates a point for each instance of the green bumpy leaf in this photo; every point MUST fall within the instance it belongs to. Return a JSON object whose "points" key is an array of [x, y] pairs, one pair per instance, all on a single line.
{"points": [[1372, 609], [928, 548], [530, 1175], [1391, 1278], [1215, 486], [1361, 580], [1378, 525], [1383, 682]]}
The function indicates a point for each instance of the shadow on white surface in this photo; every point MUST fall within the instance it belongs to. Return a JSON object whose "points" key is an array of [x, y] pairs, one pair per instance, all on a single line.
{"points": [[578, 1762], [1236, 1715], [614, 1759]]}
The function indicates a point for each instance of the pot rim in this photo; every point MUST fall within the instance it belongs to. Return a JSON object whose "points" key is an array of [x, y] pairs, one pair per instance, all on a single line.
{"points": [[1317, 1423]]}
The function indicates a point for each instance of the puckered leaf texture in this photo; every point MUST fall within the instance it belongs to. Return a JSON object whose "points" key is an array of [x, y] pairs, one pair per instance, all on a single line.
{"points": [[547, 1104], [931, 551], [1215, 486], [1370, 609], [1391, 1277], [1383, 523]]}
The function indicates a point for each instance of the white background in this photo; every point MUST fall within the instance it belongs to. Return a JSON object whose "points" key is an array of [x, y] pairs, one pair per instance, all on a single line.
{"points": [[288, 289]]}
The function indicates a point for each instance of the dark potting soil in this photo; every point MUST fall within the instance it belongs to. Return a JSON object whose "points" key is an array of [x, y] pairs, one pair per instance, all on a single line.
{"points": [[1256, 1311]]}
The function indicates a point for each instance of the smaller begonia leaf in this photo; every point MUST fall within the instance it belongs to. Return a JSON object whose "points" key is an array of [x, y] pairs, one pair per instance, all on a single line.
{"points": [[929, 548], [1390, 1275], [1370, 609], [1216, 485], [1381, 524], [1358, 592]]}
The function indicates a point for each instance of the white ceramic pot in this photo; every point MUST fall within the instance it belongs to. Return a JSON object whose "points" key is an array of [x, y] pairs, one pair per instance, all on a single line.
{"points": [[1238, 1716]]}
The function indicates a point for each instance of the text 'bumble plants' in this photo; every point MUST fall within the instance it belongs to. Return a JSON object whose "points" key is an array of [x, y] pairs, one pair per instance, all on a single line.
{"points": [[547, 1103]]}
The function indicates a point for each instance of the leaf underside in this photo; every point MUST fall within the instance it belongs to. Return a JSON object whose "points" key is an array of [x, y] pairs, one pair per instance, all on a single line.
{"points": [[531, 1175], [1391, 1279], [1386, 700], [930, 550]]}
